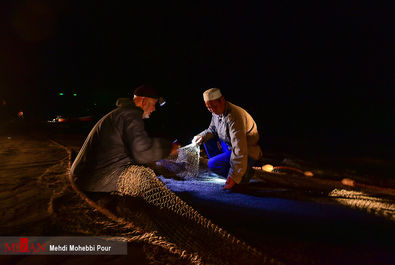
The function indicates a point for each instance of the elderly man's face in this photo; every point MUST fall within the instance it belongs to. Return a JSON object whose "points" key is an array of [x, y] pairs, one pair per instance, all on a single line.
{"points": [[216, 106], [148, 106]]}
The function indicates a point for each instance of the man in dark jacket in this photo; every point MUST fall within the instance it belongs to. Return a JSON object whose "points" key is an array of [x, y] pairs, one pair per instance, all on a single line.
{"points": [[117, 141]]}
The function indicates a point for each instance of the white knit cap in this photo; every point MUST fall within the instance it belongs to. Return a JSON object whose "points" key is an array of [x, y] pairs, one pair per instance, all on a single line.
{"points": [[212, 94]]}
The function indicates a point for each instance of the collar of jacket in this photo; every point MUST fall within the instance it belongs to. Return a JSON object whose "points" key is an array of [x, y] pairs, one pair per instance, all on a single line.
{"points": [[132, 105]]}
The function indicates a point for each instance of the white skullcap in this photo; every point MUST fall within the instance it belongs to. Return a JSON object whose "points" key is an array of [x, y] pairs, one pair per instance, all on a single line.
{"points": [[212, 94]]}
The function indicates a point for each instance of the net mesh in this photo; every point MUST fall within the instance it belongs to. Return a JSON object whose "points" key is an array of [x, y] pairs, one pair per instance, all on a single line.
{"points": [[185, 165], [147, 211], [188, 156], [181, 226], [159, 219], [363, 201]]}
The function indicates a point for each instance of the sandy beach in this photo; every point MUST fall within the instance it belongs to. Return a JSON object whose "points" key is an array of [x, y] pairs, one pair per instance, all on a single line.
{"points": [[37, 199], [33, 172]]}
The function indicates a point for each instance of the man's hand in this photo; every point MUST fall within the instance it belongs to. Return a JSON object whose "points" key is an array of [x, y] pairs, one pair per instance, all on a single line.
{"points": [[198, 140], [174, 148], [229, 184]]}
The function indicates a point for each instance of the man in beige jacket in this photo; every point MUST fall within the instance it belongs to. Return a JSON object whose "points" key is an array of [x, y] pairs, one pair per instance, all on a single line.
{"points": [[235, 130]]}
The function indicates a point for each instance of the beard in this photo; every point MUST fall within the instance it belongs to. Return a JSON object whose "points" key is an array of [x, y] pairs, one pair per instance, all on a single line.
{"points": [[146, 115]]}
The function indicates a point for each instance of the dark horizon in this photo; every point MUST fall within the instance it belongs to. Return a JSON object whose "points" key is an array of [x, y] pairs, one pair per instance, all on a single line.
{"points": [[301, 70]]}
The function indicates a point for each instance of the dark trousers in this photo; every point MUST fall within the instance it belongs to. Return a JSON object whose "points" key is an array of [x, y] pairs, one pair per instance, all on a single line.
{"points": [[219, 154]]}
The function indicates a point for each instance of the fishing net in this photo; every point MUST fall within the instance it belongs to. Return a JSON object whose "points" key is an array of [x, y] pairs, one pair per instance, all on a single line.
{"points": [[189, 156], [183, 166], [180, 227], [164, 220], [363, 201]]}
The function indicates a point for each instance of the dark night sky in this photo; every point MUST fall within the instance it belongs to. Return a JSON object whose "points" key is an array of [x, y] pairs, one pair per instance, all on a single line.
{"points": [[299, 68]]}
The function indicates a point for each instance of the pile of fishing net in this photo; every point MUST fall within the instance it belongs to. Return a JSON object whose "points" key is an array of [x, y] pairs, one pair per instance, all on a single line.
{"points": [[162, 219], [180, 227]]}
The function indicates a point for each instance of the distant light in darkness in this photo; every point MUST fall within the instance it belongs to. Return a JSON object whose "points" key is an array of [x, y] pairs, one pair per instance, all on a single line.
{"points": [[61, 94], [74, 94]]}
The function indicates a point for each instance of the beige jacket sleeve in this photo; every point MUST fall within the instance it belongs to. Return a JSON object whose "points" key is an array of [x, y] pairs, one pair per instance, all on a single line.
{"points": [[239, 156], [210, 132]]}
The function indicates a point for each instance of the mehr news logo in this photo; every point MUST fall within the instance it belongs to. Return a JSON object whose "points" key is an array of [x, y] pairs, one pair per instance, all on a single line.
{"points": [[23, 246], [26, 245]]}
